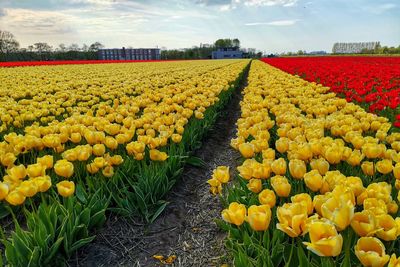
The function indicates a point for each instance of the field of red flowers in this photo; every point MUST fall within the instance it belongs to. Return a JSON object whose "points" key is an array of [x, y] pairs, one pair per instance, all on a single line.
{"points": [[373, 82], [66, 62]]}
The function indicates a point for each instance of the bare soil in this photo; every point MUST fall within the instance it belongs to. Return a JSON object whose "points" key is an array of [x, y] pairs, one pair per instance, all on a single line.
{"points": [[186, 228]]}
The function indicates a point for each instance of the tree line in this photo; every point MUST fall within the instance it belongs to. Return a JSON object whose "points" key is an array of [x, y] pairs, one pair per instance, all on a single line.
{"points": [[10, 50]]}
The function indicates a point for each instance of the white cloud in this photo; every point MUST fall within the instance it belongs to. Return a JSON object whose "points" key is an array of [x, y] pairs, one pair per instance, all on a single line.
{"points": [[285, 3], [274, 23]]}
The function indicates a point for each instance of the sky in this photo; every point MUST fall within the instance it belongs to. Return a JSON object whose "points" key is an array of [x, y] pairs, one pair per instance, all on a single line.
{"points": [[271, 26]]}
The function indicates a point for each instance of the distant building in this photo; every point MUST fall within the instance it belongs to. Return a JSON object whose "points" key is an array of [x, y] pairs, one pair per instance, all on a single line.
{"points": [[353, 48], [130, 54], [227, 52]]}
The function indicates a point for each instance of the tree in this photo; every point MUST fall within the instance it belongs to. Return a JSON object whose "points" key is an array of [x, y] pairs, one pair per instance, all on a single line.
{"points": [[42, 47], [8, 43], [96, 46], [73, 47], [85, 48], [62, 48], [236, 42]]}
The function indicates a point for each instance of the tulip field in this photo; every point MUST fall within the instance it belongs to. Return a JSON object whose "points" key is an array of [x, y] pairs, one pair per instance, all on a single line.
{"points": [[319, 177], [316, 181], [373, 82], [80, 141]]}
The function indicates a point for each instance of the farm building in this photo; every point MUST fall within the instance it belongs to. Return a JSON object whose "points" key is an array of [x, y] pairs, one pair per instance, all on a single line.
{"points": [[130, 54], [227, 52]]}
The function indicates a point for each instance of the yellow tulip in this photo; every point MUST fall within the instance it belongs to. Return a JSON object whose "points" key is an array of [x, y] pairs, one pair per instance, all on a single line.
{"points": [[116, 160], [66, 188], [321, 165], [221, 173], [28, 188], [282, 145], [375, 205], [313, 180], [297, 168], [396, 171], [247, 150], [292, 218], [110, 143], [46, 161], [235, 213], [267, 197], [384, 166], [355, 158], [333, 154], [17, 172], [99, 150], [92, 168], [64, 168], [387, 227], [394, 261], [157, 155], [372, 150], [305, 200], [35, 170], [279, 166], [363, 223], [254, 185], [8, 159], [371, 252], [368, 168], [4, 189], [108, 171], [246, 172], [176, 138], [15, 198], [259, 217], [339, 211], [281, 186], [75, 138], [43, 183], [325, 241]]}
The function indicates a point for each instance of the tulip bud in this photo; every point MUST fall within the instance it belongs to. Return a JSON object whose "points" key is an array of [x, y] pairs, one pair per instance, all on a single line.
{"points": [[384, 166], [279, 166], [66, 188], [234, 214], [368, 168], [281, 186], [313, 180], [254, 185], [221, 173], [247, 150], [267, 197], [259, 217], [64, 168], [297, 168], [15, 198]]}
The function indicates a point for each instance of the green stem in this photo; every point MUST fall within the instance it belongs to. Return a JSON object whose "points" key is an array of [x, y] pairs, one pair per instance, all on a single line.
{"points": [[291, 254]]}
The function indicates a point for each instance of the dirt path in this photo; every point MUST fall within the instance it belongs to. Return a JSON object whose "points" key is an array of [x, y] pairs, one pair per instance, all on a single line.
{"points": [[186, 228]]}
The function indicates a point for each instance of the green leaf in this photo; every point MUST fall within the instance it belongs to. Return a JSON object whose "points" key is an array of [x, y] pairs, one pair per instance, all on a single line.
{"points": [[80, 243], [303, 261], [53, 250], [158, 212], [80, 193], [196, 161]]}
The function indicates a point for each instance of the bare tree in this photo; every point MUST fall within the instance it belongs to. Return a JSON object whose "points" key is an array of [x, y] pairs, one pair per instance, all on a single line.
{"points": [[8, 43], [73, 47], [96, 46], [62, 48], [85, 48], [42, 47]]}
